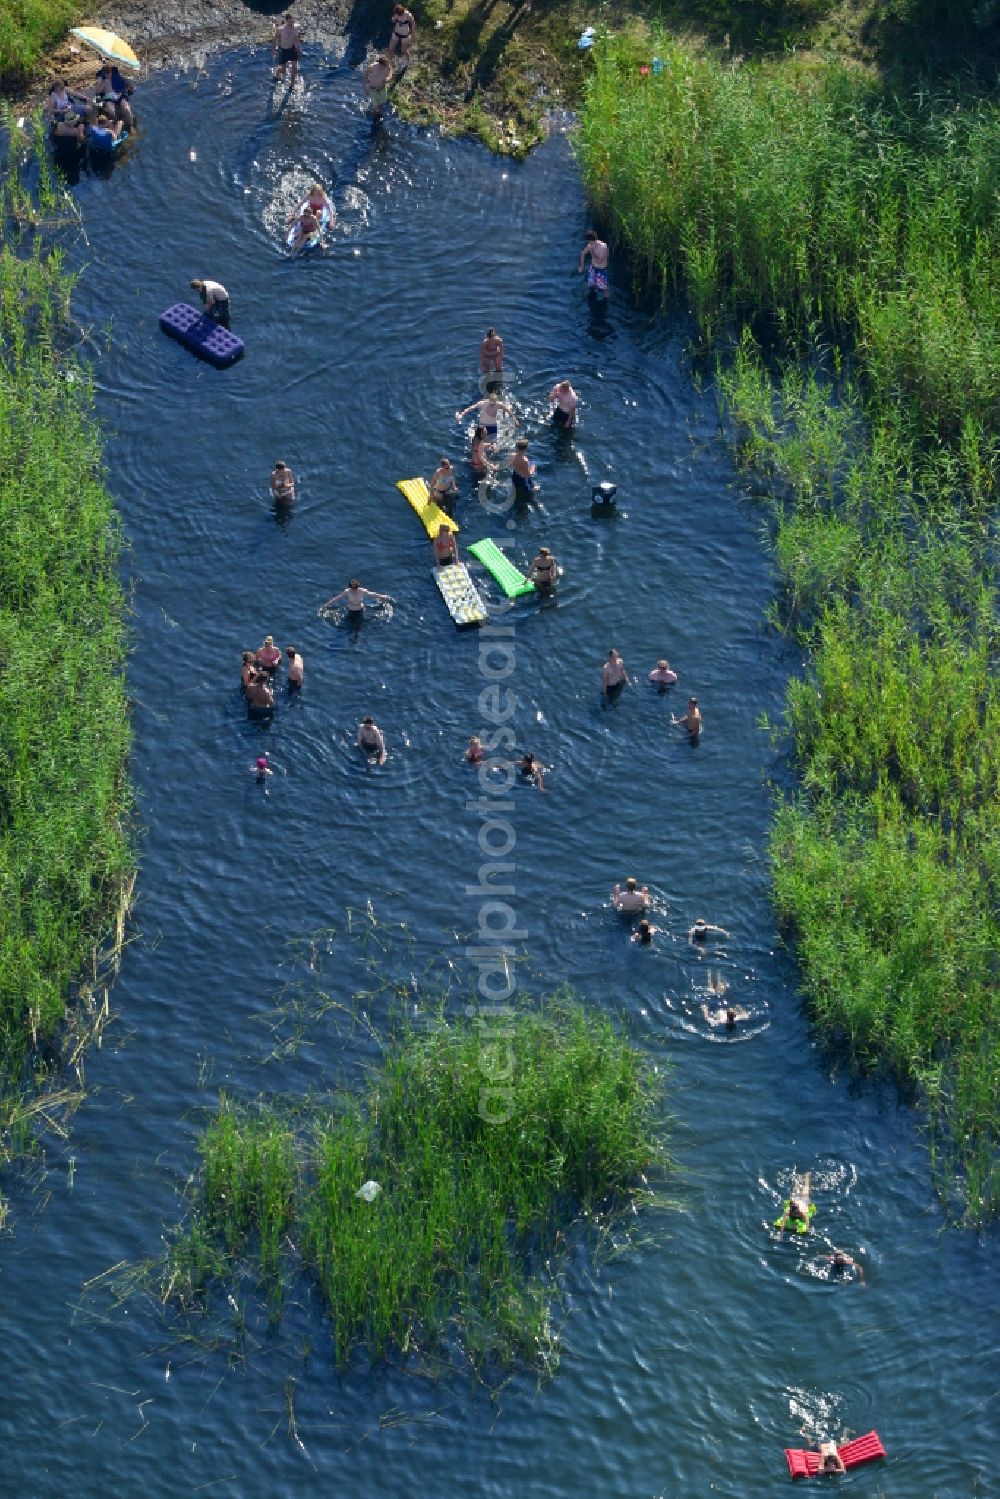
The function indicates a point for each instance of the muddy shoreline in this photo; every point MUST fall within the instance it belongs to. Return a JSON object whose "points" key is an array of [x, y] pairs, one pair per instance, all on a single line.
{"points": [[182, 33]]}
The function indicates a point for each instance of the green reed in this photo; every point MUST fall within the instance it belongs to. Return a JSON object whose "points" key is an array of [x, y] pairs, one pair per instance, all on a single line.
{"points": [[861, 230], [460, 1247], [806, 193], [65, 853], [885, 864], [28, 28]]}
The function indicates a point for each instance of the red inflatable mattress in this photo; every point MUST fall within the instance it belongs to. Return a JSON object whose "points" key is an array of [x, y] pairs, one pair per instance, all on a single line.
{"points": [[862, 1450]]}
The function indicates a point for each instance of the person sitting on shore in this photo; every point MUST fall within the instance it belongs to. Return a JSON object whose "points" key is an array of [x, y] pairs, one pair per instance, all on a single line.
{"points": [[491, 353], [105, 132], [404, 29], [295, 667], [481, 465], [215, 300], [564, 401], [630, 900], [282, 483], [376, 80], [475, 752], [445, 546], [111, 91], [444, 485], [702, 930], [268, 656], [643, 933], [62, 101], [69, 127], [544, 571], [690, 720], [662, 676], [371, 740], [355, 596], [830, 1460]]}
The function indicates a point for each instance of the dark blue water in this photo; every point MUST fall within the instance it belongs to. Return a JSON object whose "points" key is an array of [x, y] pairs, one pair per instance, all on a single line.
{"points": [[691, 1362]]}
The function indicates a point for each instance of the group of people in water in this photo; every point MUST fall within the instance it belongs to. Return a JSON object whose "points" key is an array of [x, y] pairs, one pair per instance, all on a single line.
{"points": [[99, 119]]}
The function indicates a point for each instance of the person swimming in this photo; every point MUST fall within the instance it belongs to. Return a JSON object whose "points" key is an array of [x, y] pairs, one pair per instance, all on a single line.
{"points": [[662, 676], [262, 770], [728, 1015], [531, 770], [630, 900], [643, 933], [702, 930], [475, 752], [841, 1263]]}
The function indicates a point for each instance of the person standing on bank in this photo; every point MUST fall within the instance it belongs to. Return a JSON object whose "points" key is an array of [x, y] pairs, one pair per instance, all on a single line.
{"points": [[287, 48], [215, 300], [404, 29]]}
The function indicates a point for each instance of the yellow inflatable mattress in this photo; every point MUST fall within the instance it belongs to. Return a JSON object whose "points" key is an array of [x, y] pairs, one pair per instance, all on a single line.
{"points": [[430, 513]]}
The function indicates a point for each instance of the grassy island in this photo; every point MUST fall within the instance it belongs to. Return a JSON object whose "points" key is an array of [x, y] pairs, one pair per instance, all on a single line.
{"points": [[65, 855], [844, 240], [459, 1246]]}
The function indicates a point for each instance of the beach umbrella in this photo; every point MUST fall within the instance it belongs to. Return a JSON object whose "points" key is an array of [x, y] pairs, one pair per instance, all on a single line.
{"points": [[107, 44]]}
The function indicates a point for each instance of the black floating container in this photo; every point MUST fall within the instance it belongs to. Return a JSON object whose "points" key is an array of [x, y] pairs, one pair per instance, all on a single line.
{"points": [[603, 503]]}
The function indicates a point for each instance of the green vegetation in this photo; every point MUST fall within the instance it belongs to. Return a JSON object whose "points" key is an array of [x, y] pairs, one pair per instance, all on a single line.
{"points": [[64, 805], [29, 29], [476, 1190], [805, 203]]}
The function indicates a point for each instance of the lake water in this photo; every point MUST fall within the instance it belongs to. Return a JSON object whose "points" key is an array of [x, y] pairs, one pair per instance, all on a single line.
{"points": [[691, 1362]]}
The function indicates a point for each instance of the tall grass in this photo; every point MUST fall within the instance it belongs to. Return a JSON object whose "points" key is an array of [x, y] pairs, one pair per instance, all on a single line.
{"points": [[457, 1248], [28, 28], [64, 803], [859, 233]]}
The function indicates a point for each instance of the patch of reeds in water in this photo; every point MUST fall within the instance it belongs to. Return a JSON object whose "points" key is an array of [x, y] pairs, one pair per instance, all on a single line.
{"points": [[459, 1248], [862, 232], [65, 854]]}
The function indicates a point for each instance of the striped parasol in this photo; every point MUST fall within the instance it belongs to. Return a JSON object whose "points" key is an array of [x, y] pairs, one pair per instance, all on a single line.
{"points": [[113, 47]]}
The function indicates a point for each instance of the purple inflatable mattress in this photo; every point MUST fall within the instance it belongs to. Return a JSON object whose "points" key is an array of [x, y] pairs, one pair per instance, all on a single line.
{"points": [[202, 335]]}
